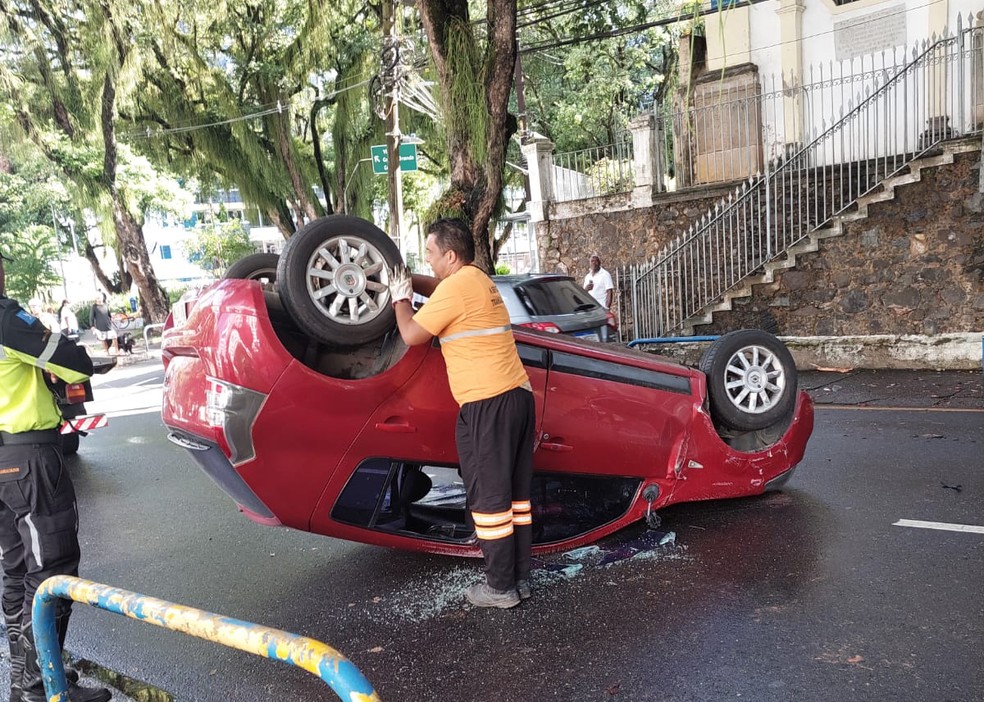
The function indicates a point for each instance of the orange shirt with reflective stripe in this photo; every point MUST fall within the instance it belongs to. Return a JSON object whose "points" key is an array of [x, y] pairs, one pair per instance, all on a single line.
{"points": [[482, 365]]}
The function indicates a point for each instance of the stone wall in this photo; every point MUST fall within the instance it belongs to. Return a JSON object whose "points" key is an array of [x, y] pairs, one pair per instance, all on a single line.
{"points": [[620, 234], [915, 265]]}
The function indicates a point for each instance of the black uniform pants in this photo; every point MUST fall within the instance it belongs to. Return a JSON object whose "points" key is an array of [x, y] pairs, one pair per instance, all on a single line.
{"points": [[495, 448], [38, 525]]}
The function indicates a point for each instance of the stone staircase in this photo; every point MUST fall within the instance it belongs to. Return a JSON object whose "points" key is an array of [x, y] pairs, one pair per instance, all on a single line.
{"points": [[834, 227]]}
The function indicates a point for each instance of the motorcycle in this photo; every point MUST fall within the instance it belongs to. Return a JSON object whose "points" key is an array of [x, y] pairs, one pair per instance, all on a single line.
{"points": [[71, 398]]}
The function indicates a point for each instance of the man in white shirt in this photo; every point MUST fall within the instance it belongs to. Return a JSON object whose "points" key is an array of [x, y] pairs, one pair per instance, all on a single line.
{"points": [[598, 282]]}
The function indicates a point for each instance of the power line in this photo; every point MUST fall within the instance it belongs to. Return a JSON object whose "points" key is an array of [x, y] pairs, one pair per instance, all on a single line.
{"points": [[274, 108], [670, 20]]}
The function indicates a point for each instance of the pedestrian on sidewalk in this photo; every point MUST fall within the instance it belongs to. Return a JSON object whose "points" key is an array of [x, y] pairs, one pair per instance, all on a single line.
{"points": [[102, 324], [38, 510], [494, 431], [599, 283], [68, 322]]}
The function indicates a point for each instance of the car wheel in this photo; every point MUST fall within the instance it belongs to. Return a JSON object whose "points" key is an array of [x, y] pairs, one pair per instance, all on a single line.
{"points": [[751, 380], [333, 279], [261, 267], [70, 444]]}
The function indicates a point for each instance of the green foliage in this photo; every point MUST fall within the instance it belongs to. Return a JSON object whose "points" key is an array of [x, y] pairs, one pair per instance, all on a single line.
{"points": [[450, 205], [174, 294], [266, 76], [502, 269], [83, 313], [583, 95], [609, 176], [465, 109], [219, 244], [33, 251]]}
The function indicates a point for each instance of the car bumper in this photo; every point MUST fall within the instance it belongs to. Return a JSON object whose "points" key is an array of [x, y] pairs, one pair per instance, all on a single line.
{"points": [[214, 463]]}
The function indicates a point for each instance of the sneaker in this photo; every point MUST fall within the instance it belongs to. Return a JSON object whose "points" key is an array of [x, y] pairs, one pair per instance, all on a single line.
{"points": [[524, 589], [483, 595]]}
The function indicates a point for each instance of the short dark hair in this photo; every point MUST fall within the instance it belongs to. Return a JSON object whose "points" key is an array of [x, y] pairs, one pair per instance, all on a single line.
{"points": [[453, 235]]}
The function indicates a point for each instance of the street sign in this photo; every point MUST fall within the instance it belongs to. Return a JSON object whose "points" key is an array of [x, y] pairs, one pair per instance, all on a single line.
{"points": [[380, 159]]}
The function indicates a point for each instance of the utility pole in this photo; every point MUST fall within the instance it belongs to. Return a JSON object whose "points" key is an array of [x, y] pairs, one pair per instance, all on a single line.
{"points": [[391, 75]]}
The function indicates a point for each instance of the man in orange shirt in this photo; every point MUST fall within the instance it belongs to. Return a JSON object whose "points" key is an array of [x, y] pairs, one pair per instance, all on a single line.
{"points": [[494, 431]]}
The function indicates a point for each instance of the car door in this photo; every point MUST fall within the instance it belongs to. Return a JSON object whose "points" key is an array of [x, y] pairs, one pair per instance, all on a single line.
{"points": [[607, 429], [415, 425], [605, 417]]}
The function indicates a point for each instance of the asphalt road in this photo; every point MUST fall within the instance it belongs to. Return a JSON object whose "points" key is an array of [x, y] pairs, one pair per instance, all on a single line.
{"points": [[807, 594]]}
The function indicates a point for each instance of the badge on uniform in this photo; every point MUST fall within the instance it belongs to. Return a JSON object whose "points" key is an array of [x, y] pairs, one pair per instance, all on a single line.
{"points": [[27, 317], [10, 473]]}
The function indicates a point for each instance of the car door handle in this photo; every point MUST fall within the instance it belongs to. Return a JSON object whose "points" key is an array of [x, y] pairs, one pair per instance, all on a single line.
{"points": [[396, 427], [554, 446]]}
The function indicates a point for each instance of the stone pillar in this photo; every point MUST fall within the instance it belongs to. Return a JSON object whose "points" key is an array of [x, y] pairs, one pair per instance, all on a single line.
{"points": [[791, 35], [538, 151], [647, 159], [977, 76]]}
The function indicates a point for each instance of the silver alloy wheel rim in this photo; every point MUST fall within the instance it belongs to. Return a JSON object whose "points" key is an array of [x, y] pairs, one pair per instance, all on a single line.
{"points": [[348, 280], [754, 379]]}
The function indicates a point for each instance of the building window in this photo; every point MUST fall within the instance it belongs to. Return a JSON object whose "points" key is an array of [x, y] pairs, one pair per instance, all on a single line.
{"points": [[844, 2], [165, 251]]}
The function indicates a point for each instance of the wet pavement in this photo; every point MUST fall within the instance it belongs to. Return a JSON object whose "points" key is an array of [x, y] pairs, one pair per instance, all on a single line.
{"points": [[896, 388], [812, 593]]}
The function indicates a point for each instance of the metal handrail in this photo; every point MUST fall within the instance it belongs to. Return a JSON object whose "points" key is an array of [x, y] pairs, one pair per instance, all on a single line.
{"points": [[146, 335], [809, 185], [316, 657]]}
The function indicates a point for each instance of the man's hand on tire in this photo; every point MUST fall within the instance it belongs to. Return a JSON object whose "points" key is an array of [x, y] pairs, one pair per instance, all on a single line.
{"points": [[400, 284]]}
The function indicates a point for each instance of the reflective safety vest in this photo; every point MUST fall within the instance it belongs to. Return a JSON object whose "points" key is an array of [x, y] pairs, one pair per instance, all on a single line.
{"points": [[28, 349]]}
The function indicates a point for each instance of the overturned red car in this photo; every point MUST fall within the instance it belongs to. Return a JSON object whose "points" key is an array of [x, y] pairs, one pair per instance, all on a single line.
{"points": [[358, 442]]}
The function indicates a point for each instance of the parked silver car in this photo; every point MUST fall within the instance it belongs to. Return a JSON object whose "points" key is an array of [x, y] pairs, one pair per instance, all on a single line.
{"points": [[555, 303]]}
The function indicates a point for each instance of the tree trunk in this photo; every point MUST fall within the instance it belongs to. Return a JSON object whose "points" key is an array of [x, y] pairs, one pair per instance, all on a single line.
{"points": [[308, 207], [90, 256], [129, 234], [476, 185]]}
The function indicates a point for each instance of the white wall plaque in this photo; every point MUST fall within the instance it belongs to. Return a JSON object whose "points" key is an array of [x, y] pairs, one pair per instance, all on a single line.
{"points": [[870, 33]]}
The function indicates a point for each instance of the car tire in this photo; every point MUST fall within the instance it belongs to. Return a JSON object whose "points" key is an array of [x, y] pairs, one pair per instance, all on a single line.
{"points": [[333, 279], [260, 266], [70, 444], [751, 380]]}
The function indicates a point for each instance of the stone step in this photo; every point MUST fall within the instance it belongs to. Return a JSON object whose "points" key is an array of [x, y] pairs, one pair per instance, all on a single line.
{"points": [[833, 228]]}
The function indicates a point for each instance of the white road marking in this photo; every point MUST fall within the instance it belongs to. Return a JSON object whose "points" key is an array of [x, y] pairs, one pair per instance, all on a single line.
{"points": [[942, 526]]}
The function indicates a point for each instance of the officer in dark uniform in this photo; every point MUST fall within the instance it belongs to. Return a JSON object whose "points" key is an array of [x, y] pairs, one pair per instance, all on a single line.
{"points": [[38, 515]]}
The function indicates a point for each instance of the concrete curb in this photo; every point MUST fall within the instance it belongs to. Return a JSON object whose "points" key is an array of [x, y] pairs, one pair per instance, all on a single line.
{"points": [[875, 352]]}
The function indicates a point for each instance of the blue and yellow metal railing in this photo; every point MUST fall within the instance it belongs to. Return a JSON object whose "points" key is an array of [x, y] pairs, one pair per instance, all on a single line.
{"points": [[313, 656]]}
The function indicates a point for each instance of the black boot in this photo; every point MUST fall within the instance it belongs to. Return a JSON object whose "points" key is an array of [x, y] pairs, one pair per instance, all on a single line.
{"points": [[33, 685], [13, 623]]}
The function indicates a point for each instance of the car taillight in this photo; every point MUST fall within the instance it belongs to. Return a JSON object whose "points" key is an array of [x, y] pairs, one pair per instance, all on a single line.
{"points": [[612, 320], [543, 326], [75, 393], [181, 310], [233, 409]]}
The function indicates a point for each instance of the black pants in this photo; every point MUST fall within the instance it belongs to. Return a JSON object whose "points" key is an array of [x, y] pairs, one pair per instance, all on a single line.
{"points": [[495, 448], [38, 526]]}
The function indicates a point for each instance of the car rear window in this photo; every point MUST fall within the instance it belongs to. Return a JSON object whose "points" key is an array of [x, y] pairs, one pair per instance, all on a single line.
{"points": [[554, 296]]}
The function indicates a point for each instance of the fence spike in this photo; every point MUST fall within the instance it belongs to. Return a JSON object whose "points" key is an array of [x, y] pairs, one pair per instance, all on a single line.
{"points": [[959, 22]]}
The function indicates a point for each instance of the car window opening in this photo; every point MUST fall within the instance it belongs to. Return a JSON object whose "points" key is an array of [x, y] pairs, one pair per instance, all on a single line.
{"points": [[428, 501]]}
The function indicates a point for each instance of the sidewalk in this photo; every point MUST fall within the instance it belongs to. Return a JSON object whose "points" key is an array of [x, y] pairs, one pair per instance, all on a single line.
{"points": [[96, 348], [950, 389]]}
